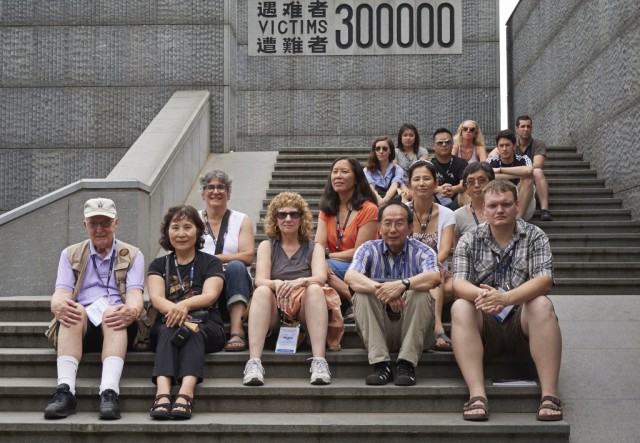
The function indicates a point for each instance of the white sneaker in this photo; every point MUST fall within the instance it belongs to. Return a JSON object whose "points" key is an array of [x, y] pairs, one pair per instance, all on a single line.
{"points": [[320, 374], [253, 373]]}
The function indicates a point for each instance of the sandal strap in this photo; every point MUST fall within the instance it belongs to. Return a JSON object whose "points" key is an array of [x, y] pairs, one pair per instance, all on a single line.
{"points": [[187, 406], [157, 405], [470, 404], [240, 336], [556, 403]]}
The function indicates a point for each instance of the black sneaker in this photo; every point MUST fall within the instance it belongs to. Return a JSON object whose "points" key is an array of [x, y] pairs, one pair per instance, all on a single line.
{"points": [[381, 374], [405, 374], [63, 403], [109, 405], [545, 215]]}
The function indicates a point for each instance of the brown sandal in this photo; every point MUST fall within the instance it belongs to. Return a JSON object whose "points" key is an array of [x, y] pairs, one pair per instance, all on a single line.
{"points": [[556, 405], [161, 411], [188, 408], [469, 406], [236, 345]]}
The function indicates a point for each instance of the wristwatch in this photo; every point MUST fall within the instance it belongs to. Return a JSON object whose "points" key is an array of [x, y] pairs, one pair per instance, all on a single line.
{"points": [[406, 283]]}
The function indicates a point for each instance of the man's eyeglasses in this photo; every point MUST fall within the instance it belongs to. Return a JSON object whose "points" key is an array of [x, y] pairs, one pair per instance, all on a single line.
{"points": [[281, 215], [480, 182], [443, 142], [469, 129], [105, 224], [211, 188], [382, 148], [398, 225]]}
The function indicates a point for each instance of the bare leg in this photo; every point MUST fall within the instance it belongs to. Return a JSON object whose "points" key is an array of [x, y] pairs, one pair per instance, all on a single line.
{"points": [[525, 194], [70, 339], [466, 326], [540, 325], [313, 313], [340, 286], [542, 188], [262, 318]]}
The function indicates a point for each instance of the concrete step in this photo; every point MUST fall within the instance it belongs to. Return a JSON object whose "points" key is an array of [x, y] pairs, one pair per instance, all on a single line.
{"points": [[588, 227], [562, 182], [34, 308], [597, 270], [280, 395], [401, 426], [595, 254], [348, 363], [579, 191], [584, 215], [596, 286], [594, 240], [574, 174]]}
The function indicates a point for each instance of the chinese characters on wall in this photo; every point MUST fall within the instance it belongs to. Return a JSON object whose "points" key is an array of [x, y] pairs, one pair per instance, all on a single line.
{"points": [[343, 27]]}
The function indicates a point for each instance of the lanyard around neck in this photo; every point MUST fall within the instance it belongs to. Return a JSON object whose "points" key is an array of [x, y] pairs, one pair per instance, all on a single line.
{"points": [[473, 212], [95, 267], [340, 232], [175, 261]]}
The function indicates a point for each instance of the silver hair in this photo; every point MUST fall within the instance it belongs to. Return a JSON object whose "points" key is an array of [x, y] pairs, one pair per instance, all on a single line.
{"points": [[215, 173]]}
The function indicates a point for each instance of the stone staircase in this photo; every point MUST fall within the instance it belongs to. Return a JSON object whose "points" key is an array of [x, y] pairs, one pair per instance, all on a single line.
{"points": [[587, 262]]}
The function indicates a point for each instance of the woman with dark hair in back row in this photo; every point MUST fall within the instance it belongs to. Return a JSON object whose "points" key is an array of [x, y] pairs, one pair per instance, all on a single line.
{"points": [[384, 177], [348, 217]]}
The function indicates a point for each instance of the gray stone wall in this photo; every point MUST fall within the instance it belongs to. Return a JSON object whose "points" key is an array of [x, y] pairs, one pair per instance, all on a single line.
{"points": [[81, 79], [346, 101], [575, 69]]}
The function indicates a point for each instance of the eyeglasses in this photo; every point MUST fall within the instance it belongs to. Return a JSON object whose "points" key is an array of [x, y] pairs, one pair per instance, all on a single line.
{"points": [[212, 188], [382, 148], [480, 182], [281, 215], [106, 224], [398, 225], [443, 142], [469, 129]]}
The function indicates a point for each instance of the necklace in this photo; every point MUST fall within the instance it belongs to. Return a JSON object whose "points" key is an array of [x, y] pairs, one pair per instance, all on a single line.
{"points": [[423, 226]]}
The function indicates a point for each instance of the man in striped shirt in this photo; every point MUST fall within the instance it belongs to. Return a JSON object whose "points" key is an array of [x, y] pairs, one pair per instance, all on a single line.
{"points": [[393, 308]]}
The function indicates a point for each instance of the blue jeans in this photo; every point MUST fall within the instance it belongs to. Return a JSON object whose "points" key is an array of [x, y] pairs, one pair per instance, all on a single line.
{"points": [[238, 286], [339, 267]]}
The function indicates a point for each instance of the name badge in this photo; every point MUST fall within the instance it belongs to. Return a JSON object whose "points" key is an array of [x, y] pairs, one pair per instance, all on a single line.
{"points": [[288, 339], [95, 310]]}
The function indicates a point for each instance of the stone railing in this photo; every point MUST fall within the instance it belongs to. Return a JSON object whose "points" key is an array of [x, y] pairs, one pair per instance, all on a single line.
{"points": [[157, 172]]}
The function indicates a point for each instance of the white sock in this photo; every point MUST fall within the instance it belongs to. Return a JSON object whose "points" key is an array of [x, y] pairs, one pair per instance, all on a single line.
{"points": [[67, 370], [111, 372]]}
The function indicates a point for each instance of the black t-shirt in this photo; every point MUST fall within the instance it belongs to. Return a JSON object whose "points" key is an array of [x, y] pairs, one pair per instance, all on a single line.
{"points": [[204, 266], [450, 172], [518, 160]]}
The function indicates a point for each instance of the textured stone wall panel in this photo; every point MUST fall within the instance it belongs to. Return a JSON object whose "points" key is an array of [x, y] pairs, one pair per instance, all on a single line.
{"points": [[47, 56], [110, 12], [577, 70]]}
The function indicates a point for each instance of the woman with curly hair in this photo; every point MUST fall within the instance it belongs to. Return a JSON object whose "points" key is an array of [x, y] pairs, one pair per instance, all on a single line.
{"points": [[182, 284], [468, 144], [290, 272]]}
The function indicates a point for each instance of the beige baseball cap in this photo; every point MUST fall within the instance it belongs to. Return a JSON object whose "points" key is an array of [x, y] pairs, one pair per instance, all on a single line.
{"points": [[100, 206]]}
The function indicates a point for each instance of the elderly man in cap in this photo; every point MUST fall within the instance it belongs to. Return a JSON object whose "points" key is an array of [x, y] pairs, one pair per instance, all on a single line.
{"points": [[97, 300]]}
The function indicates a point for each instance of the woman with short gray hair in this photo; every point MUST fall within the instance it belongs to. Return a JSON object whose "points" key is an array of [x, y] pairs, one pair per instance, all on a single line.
{"points": [[229, 236]]}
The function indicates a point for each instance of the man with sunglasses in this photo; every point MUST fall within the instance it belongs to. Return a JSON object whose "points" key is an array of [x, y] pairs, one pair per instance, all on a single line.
{"points": [[449, 169], [97, 300], [393, 307]]}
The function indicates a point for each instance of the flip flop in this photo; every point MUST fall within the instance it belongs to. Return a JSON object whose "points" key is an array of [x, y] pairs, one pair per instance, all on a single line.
{"points": [[236, 345], [447, 346]]}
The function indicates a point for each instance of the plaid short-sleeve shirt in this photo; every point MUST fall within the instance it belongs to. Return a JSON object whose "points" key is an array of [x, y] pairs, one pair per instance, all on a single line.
{"points": [[478, 258]]}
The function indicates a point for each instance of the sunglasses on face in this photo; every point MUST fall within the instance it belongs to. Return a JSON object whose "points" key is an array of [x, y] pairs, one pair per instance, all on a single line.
{"points": [[281, 215], [443, 142], [468, 129], [382, 148]]}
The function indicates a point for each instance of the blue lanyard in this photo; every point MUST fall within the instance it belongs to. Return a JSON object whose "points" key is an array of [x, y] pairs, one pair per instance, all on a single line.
{"points": [[95, 267], [502, 267], [473, 212], [341, 232], [400, 272], [184, 291]]}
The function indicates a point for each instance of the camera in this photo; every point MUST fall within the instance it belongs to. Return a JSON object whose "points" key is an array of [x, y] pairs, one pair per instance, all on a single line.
{"points": [[181, 336]]}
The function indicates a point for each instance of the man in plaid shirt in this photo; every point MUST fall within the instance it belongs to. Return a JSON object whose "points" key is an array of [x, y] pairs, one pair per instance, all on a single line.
{"points": [[503, 271]]}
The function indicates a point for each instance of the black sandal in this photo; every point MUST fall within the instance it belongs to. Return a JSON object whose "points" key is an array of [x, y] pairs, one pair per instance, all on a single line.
{"points": [[161, 411], [188, 408]]}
